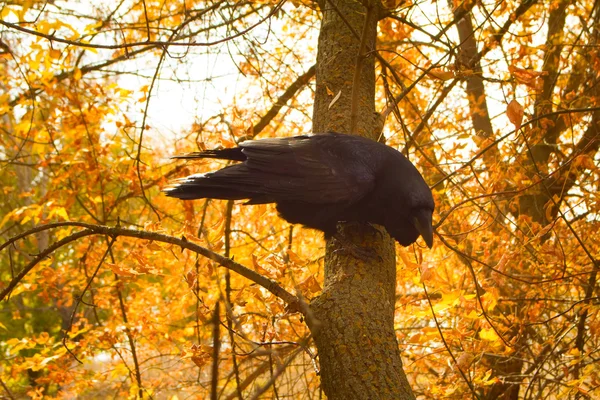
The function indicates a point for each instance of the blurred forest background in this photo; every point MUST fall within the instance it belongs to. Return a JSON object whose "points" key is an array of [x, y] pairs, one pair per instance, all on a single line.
{"points": [[496, 102]]}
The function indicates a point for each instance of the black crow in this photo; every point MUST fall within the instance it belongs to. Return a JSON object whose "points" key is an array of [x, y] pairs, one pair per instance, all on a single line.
{"points": [[319, 180]]}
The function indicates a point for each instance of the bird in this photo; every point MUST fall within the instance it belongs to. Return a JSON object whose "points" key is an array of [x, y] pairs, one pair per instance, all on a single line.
{"points": [[319, 180]]}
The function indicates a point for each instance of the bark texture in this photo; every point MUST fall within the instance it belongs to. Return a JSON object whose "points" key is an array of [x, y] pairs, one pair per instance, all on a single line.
{"points": [[353, 319]]}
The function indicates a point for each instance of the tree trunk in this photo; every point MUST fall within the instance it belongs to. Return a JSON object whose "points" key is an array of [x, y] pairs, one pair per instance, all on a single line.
{"points": [[353, 319]]}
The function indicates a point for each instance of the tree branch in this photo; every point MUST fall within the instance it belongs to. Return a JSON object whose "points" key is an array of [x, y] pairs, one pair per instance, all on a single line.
{"points": [[161, 43], [293, 302], [282, 100]]}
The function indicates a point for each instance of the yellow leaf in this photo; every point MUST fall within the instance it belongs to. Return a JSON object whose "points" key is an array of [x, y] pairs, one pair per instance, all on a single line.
{"points": [[43, 27], [60, 212], [427, 274], [12, 342], [574, 352], [489, 335], [124, 93], [5, 11], [63, 233], [490, 299], [43, 338], [92, 27], [293, 257], [54, 53], [25, 287], [449, 299]]}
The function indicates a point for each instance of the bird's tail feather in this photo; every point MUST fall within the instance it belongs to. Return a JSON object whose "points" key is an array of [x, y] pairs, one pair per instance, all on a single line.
{"points": [[230, 183], [233, 154]]}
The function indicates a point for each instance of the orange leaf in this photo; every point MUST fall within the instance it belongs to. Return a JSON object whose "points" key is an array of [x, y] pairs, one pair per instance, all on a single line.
{"points": [[528, 77], [120, 270], [310, 284], [426, 273], [514, 112], [441, 74]]}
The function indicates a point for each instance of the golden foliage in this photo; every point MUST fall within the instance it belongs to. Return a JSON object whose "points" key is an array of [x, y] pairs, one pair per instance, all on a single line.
{"points": [[513, 274]]}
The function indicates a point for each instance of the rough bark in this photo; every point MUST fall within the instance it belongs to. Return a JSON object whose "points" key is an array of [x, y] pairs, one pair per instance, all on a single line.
{"points": [[353, 318]]}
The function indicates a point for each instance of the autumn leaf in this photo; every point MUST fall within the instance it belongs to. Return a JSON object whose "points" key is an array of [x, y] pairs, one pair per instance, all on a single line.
{"points": [[440, 74], [464, 361], [427, 273], [310, 285], [489, 335], [514, 112], [528, 77], [122, 270], [84, 145]]}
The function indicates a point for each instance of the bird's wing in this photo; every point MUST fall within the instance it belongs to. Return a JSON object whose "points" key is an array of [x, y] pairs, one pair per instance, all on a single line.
{"points": [[312, 169]]}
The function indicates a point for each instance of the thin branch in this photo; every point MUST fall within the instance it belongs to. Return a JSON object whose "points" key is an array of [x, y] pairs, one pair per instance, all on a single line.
{"points": [[7, 390], [136, 365], [293, 303], [228, 309], [282, 100], [214, 380], [80, 299], [280, 370], [439, 328], [45, 253], [161, 43]]}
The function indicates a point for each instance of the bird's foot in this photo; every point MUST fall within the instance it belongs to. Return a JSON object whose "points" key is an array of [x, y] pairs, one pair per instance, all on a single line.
{"points": [[374, 230], [359, 252], [367, 227]]}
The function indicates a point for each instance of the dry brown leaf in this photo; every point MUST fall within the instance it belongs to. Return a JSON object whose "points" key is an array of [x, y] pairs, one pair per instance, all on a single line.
{"points": [[514, 112]]}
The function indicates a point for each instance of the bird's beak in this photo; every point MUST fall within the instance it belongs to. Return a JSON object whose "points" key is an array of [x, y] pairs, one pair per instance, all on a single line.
{"points": [[422, 221]]}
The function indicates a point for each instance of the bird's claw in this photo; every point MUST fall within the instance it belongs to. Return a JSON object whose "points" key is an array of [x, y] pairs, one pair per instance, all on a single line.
{"points": [[361, 253]]}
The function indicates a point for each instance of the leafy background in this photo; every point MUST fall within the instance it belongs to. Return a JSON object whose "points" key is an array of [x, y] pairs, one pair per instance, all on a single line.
{"points": [[500, 115]]}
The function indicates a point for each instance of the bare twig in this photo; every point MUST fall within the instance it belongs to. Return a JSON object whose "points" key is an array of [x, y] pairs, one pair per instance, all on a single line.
{"points": [[216, 346], [161, 43], [276, 374], [282, 100], [136, 365], [7, 390], [229, 311]]}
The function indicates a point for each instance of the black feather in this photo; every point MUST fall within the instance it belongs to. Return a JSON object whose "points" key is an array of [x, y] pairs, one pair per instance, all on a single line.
{"points": [[320, 180]]}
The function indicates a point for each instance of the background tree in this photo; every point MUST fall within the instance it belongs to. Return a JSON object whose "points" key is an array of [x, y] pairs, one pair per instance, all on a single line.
{"points": [[110, 288]]}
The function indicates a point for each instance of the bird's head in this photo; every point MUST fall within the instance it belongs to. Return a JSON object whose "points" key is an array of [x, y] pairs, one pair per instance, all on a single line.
{"points": [[421, 220], [407, 227], [412, 209]]}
